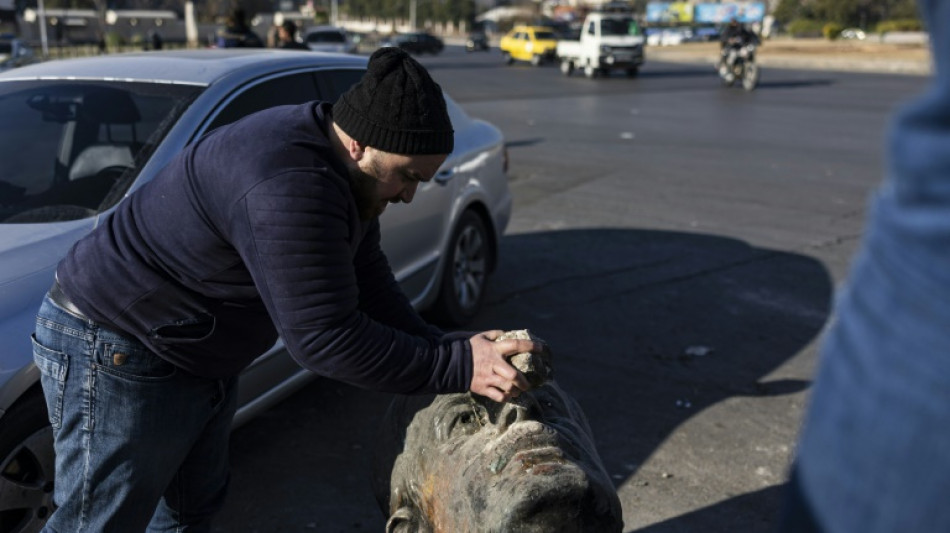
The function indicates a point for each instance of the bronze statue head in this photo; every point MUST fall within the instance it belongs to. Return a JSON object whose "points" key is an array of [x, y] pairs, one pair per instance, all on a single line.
{"points": [[455, 463]]}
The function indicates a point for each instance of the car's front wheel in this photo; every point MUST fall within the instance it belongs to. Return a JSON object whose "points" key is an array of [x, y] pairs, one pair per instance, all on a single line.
{"points": [[27, 466], [567, 67], [465, 275]]}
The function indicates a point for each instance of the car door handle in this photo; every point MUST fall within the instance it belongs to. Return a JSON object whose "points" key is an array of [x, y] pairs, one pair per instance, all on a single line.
{"points": [[443, 176]]}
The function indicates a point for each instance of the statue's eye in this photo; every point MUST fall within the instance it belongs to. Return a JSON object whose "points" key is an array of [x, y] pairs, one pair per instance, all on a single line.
{"points": [[463, 421]]}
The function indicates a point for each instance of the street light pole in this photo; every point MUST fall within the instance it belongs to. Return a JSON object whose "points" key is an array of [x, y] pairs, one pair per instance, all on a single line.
{"points": [[43, 39], [412, 15]]}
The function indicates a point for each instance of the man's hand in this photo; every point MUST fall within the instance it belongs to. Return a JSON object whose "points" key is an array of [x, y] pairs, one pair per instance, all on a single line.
{"points": [[492, 374]]}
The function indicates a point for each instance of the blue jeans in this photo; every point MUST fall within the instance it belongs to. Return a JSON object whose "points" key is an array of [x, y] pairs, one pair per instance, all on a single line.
{"points": [[140, 444]]}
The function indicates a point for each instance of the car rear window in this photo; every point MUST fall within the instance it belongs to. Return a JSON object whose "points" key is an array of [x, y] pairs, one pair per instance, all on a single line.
{"points": [[326, 37], [71, 149]]}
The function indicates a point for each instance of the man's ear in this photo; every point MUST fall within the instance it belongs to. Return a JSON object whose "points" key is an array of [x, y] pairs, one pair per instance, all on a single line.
{"points": [[355, 149], [405, 520]]}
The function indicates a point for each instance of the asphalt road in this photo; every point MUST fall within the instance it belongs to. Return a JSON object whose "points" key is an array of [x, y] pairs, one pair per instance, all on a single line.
{"points": [[677, 244]]}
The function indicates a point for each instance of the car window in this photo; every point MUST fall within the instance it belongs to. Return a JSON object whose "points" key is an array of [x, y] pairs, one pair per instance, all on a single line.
{"points": [[544, 36], [70, 149], [285, 90], [619, 27], [333, 83], [326, 37]]}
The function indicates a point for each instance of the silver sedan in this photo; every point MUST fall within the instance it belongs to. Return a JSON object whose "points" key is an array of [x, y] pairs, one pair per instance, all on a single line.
{"points": [[78, 136]]}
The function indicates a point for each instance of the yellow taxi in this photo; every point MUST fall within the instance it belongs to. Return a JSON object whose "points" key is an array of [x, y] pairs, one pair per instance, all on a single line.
{"points": [[536, 44]]}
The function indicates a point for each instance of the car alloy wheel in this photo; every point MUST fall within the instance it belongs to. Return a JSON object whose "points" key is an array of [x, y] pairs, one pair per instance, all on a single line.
{"points": [[465, 276], [27, 466]]}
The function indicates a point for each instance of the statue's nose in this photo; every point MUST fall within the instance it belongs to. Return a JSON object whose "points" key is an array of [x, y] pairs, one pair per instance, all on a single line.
{"points": [[520, 409]]}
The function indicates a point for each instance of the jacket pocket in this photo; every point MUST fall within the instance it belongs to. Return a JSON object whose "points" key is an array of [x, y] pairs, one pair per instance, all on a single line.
{"points": [[193, 329]]}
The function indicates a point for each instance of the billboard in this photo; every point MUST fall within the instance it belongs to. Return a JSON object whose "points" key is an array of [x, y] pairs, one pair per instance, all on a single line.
{"points": [[669, 12], [745, 12]]}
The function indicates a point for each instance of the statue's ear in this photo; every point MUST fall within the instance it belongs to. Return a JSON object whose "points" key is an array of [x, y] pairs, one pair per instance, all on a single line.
{"points": [[404, 520]]}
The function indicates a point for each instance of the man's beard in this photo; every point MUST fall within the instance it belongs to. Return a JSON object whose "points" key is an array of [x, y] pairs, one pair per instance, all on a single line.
{"points": [[364, 186]]}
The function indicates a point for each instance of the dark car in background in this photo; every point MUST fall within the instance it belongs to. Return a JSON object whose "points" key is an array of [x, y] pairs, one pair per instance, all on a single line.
{"points": [[476, 41], [78, 135], [418, 43]]}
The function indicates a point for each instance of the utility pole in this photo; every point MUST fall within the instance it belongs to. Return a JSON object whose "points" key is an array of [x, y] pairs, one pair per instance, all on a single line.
{"points": [[43, 39]]}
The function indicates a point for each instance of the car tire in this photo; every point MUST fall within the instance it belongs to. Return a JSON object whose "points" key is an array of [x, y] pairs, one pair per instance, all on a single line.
{"points": [[27, 465], [590, 71], [507, 58], [633, 72], [567, 67], [468, 258]]}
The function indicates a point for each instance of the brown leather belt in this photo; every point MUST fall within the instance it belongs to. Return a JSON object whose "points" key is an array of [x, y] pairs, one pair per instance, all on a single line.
{"points": [[59, 297]]}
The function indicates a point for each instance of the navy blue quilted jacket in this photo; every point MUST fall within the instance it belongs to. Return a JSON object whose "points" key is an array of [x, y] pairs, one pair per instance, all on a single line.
{"points": [[250, 233]]}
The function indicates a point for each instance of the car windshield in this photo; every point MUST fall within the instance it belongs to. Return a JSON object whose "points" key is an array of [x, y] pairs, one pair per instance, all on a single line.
{"points": [[71, 149], [623, 26], [326, 37], [545, 36]]}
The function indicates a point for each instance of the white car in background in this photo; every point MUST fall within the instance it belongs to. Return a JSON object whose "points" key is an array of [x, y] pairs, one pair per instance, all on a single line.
{"points": [[79, 135], [329, 39]]}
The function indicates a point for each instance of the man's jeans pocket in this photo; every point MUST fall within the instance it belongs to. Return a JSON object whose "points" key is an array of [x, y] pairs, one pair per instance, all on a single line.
{"points": [[130, 360], [53, 366]]}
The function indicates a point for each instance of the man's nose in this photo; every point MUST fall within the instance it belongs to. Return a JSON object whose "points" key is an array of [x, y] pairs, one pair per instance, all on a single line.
{"points": [[408, 193]]}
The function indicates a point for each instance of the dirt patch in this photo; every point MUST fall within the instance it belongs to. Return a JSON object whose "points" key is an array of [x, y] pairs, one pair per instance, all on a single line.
{"points": [[814, 53]]}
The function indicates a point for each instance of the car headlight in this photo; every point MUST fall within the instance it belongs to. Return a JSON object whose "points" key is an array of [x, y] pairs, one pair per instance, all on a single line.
{"points": [[528, 47], [605, 49]]}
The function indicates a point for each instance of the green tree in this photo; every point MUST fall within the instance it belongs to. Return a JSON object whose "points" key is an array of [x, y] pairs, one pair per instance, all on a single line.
{"points": [[863, 13], [844, 12], [788, 10]]}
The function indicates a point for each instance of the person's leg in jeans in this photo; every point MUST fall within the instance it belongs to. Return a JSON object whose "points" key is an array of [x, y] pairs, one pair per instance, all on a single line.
{"points": [[124, 421], [198, 489]]}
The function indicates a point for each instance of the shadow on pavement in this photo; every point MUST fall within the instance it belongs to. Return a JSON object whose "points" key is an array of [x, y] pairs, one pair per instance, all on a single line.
{"points": [[648, 329], [737, 513], [793, 84]]}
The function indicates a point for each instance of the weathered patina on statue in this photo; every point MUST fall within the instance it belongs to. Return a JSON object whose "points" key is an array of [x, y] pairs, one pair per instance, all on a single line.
{"points": [[462, 463]]}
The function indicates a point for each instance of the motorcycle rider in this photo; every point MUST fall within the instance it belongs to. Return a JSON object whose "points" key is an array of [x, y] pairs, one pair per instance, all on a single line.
{"points": [[731, 40]]}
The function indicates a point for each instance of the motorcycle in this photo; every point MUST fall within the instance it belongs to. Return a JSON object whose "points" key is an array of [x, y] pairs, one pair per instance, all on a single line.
{"points": [[738, 63]]}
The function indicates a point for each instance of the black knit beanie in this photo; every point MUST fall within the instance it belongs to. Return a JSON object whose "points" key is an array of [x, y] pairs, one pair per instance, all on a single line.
{"points": [[396, 107]]}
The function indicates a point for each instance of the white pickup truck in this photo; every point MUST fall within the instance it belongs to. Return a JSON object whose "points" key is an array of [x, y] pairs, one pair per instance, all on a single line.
{"points": [[608, 41]]}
